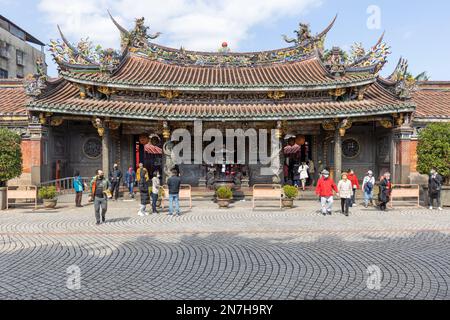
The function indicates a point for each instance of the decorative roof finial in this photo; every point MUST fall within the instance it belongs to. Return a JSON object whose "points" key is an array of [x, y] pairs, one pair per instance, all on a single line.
{"points": [[304, 36], [224, 48]]}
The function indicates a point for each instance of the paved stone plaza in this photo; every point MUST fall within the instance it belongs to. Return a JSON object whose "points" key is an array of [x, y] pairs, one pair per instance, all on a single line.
{"points": [[238, 253]]}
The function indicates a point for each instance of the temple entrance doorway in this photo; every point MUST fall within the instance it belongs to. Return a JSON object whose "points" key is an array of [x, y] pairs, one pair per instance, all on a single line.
{"points": [[297, 150], [148, 150]]}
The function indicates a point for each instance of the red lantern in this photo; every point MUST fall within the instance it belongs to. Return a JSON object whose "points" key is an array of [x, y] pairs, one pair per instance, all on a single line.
{"points": [[144, 139], [300, 140]]}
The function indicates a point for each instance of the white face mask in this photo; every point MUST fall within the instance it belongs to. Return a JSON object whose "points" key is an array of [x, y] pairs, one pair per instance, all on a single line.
{"points": [[326, 176]]}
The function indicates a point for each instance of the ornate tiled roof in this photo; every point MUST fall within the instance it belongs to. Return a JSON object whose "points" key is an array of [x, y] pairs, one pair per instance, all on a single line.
{"points": [[433, 101], [143, 73], [13, 99], [146, 65], [65, 99]]}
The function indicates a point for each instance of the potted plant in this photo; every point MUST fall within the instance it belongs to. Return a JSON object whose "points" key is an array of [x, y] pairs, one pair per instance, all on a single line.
{"points": [[290, 193], [224, 195], [48, 195], [10, 161], [433, 151]]}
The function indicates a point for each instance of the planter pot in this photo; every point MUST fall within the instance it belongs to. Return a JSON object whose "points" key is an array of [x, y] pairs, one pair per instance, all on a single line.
{"points": [[445, 196], [223, 203], [2, 198], [50, 203], [287, 203]]}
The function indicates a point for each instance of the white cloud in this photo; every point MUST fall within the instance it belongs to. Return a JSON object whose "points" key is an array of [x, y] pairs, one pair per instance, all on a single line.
{"points": [[194, 24]]}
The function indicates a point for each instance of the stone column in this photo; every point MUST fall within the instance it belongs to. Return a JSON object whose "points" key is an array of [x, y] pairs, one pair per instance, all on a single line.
{"points": [[337, 155], [402, 154], [167, 152], [106, 144], [36, 152]]}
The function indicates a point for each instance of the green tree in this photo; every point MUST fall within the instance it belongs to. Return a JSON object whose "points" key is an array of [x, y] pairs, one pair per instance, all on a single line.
{"points": [[433, 149], [10, 156]]}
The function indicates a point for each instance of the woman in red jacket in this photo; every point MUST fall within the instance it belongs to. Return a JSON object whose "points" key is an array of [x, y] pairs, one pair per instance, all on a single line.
{"points": [[355, 184]]}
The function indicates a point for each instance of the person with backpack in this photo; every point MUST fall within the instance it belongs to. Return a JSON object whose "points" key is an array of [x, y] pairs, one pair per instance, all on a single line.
{"points": [[434, 188], [79, 187], [367, 187]]}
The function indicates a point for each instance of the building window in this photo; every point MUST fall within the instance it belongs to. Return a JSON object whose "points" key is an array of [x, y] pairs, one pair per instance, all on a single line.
{"points": [[3, 74], [92, 148], [20, 57], [350, 148], [4, 49]]}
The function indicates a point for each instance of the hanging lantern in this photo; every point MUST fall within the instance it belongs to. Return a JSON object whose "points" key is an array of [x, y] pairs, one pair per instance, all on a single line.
{"points": [[144, 139], [278, 133], [300, 140], [166, 131], [342, 132]]}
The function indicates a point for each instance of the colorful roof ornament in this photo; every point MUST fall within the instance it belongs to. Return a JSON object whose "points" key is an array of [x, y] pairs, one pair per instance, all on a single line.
{"points": [[83, 53]]}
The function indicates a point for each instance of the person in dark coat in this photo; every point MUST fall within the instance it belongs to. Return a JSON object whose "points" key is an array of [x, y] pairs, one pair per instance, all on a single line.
{"points": [[385, 191], [434, 188], [115, 177], [143, 184], [174, 183]]}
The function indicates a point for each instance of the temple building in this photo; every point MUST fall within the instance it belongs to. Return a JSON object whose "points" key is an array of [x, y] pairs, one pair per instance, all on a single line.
{"points": [[328, 107]]}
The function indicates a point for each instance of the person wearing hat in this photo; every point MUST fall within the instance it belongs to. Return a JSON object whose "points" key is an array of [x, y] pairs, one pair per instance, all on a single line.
{"points": [[367, 188], [345, 189], [324, 190]]}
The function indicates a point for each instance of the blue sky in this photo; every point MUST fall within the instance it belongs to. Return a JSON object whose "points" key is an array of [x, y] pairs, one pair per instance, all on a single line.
{"points": [[417, 30]]}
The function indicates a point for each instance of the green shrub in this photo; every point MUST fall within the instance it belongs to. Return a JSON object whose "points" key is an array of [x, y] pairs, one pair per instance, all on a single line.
{"points": [[224, 192], [290, 192], [47, 192], [10, 156], [433, 150]]}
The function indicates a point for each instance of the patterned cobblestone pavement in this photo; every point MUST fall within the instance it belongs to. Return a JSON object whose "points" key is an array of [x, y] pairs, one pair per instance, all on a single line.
{"points": [[238, 253]]}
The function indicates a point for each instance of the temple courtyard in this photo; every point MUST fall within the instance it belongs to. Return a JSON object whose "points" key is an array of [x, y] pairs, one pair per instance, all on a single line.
{"points": [[238, 253]]}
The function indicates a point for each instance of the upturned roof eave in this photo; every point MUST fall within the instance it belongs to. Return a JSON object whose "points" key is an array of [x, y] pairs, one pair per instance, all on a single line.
{"points": [[335, 84], [381, 110]]}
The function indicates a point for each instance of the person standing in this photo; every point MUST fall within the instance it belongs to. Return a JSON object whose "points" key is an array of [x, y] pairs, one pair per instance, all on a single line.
{"points": [[385, 191], [155, 190], [79, 187], [130, 180], [143, 184], [434, 188], [99, 187], [324, 190], [312, 172], [115, 176], [367, 188], [345, 190], [174, 183], [303, 171], [355, 185], [296, 175]]}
